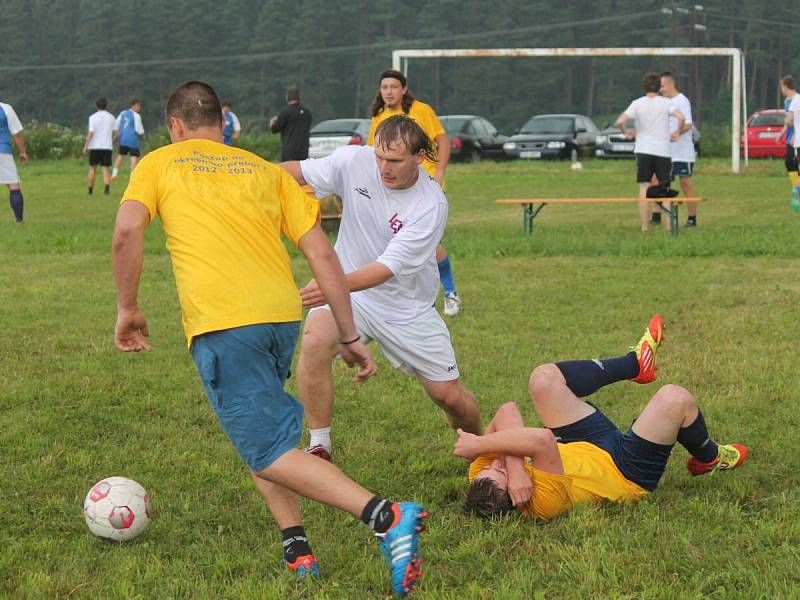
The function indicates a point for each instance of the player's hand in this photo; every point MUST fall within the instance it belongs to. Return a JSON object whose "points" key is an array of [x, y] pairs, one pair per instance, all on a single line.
{"points": [[312, 296], [468, 445], [357, 353], [629, 133], [131, 331], [520, 486], [272, 121], [674, 136], [83, 151], [23, 158]]}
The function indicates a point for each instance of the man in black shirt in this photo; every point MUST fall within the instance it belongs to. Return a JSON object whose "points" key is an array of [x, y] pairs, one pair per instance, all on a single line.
{"points": [[294, 124]]}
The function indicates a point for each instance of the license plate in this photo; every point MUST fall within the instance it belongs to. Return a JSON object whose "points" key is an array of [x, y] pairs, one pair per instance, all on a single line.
{"points": [[622, 147], [530, 154], [769, 134]]}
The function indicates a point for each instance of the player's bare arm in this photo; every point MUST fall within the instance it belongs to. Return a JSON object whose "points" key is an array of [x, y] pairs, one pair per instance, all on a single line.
{"points": [[293, 167], [89, 136], [623, 118], [19, 140], [443, 154], [364, 278], [331, 281], [127, 250]]}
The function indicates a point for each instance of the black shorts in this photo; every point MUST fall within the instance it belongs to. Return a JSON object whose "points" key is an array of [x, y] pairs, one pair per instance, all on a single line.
{"points": [[100, 157], [128, 150], [639, 460], [791, 158], [648, 165]]}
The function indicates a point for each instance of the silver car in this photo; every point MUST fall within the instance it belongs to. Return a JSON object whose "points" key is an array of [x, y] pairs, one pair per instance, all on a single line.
{"points": [[329, 135]]}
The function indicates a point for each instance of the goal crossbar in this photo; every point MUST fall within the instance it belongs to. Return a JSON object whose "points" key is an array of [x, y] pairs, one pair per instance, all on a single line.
{"points": [[738, 97]]}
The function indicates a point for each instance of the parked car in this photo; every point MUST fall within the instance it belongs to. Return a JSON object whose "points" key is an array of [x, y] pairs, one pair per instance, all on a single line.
{"points": [[612, 143], [327, 136], [763, 134], [565, 136], [473, 138]]}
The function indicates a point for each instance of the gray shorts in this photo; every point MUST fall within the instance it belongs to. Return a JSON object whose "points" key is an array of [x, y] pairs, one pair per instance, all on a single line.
{"points": [[8, 170]]}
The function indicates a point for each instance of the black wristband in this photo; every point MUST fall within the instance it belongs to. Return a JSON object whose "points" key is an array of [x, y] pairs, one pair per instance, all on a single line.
{"points": [[348, 342]]}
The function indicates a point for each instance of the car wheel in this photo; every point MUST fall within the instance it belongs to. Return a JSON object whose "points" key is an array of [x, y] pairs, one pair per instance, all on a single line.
{"points": [[475, 155]]}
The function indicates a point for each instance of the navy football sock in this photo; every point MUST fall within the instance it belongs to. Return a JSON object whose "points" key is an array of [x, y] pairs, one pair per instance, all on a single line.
{"points": [[585, 377], [696, 440], [17, 204]]}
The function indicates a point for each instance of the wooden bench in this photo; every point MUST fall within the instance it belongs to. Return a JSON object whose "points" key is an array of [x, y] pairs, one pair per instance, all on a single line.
{"points": [[529, 212]]}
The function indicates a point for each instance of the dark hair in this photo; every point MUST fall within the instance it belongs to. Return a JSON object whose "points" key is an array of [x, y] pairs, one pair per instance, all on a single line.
{"points": [[486, 499], [293, 93], [668, 74], [227, 104], [651, 82], [788, 81], [196, 104], [378, 103], [401, 127], [101, 102], [135, 101]]}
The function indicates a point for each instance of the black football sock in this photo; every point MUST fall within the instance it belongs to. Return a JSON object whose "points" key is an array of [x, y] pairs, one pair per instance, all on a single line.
{"points": [[295, 543], [106, 189], [378, 514], [17, 204], [91, 189], [585, 377], [696, 440]]}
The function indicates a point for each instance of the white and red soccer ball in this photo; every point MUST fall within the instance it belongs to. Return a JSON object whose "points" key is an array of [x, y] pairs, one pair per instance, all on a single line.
{"points": [[117, 508]]}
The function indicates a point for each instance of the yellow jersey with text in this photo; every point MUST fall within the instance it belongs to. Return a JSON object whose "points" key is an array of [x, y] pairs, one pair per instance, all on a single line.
{"points": [[425, 117], [590, 475], [223, 210]]}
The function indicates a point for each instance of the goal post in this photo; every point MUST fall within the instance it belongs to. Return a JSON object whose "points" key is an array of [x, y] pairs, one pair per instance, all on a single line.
{"points": [[738, 96]]}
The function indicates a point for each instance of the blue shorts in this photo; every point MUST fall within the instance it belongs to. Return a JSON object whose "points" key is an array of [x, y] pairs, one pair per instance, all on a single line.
{"points": [[243, 371], [682, 169], [639, 460]]}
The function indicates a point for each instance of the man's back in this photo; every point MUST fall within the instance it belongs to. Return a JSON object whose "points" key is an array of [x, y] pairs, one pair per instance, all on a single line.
{"points": [[223, 211], [130, 127], [294, 124], [651, 114], [101, 124]]}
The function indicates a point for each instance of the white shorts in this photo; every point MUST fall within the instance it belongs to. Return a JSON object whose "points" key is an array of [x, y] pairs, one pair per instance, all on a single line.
{"points": [[8, 170], [422, 347]]}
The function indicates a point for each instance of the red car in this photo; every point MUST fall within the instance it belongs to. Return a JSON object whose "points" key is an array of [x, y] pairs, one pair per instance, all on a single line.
{"points": [[763, 131]]}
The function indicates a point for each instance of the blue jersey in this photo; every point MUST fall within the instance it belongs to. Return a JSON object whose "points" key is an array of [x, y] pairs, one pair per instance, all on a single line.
{"points": [[790, 129], [128, 135], [231, 126], [9, 126]]}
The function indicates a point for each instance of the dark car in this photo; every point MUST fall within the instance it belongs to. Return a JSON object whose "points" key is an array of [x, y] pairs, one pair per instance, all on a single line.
{"points": [[554, 136], [612, 143], [473, 138]]}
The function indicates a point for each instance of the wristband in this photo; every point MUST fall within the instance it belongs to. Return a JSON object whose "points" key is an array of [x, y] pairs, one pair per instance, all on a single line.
{"points": [[348, 342]]}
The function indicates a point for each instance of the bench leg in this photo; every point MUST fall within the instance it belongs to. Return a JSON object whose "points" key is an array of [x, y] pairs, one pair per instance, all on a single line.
{"points": [[672, 213], [528, 215]]}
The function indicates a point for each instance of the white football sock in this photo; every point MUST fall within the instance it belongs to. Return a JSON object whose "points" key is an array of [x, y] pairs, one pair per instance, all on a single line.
{"points": [[320, 437]]}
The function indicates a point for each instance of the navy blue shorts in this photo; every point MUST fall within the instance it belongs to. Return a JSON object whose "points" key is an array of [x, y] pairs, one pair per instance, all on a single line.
{"points": [[243, 371], [639, 460], [682, 169]]}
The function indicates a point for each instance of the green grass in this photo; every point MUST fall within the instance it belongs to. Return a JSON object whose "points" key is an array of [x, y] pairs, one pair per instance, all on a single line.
{"points": [[73, 410]]}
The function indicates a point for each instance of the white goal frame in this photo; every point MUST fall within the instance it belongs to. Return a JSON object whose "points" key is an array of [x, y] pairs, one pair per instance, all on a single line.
{"points": [[738, 94]]}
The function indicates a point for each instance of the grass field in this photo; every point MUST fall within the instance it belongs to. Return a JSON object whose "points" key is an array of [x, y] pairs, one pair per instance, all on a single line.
{"points": [[73, 410]]}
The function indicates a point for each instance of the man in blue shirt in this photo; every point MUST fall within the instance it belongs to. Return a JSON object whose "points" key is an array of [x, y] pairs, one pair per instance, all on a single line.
{"points": [[232, 126], [128, 130], [788, 91], [10, 127]]}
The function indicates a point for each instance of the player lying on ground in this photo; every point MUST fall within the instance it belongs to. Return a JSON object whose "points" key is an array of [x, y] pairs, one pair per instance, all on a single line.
{"points": [[581, 456]]}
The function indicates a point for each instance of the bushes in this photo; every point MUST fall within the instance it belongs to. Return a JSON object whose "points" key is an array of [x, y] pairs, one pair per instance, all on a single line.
{"points": [[48, 140]]}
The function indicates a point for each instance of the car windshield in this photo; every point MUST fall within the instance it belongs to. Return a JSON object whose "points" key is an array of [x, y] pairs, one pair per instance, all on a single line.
{"points": [[768, 120], [548, 125], [343, 126], [453, 125]]}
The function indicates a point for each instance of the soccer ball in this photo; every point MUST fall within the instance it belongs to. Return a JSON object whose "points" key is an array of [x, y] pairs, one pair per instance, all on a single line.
{"points": [[117, 508], [577, 166]]}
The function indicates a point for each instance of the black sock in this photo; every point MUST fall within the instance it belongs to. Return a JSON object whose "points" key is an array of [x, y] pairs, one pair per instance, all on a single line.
{"points": [[378, 514], [696, 440], [585, 377], [295, 543], [692, 219], [106, 189], [17, 204], [91, 189]]}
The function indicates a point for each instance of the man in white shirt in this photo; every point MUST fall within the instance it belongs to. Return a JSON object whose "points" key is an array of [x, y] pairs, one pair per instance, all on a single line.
{"points": [[789, 91], [11, 131], [99, 144], [682, 150], [793, 118], [393, 218], [651, 115]]}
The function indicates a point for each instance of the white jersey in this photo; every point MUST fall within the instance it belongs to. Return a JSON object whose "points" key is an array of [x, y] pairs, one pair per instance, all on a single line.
{"points": [[101, 124], [683, 149], [397, 228], [794, 106], [651, 114]]}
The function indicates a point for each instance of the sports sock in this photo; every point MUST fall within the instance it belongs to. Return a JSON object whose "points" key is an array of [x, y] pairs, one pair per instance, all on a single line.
{"points": [[320, 437], [106, 189], [446, 276], [692, 219], [793, 176], [295, 543], [696, 440], [15, 199], [114, 171], [585, 377], [91, 189], [378, 514]]}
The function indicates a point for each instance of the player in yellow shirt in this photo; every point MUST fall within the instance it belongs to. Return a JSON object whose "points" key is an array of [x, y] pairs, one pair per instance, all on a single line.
{"points": [[394, 98], [580, 456], [223, 211]]}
